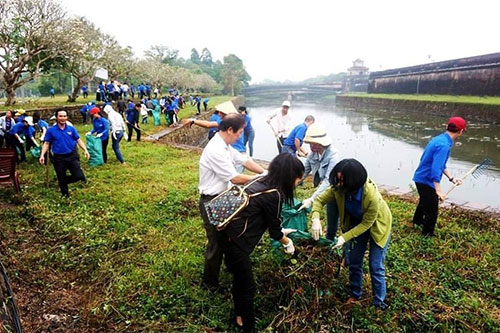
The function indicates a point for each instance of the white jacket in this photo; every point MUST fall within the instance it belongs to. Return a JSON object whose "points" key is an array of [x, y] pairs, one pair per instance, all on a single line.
{"points": [[3, 124]]}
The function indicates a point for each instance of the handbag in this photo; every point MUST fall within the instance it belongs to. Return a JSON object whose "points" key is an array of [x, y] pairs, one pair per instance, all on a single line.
{"points": [[226, 206]]}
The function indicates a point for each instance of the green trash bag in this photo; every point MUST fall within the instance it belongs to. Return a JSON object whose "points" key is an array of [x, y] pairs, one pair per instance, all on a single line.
{"points": [[94, 146], [294, 219], [156, 115], [36, 151]]}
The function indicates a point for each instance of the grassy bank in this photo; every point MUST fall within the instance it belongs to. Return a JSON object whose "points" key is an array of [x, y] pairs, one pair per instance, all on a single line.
{"points": [[125, 253], [491, 100]]}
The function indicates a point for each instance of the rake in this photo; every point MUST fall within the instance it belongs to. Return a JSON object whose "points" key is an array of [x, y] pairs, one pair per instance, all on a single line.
{"points": [[476, 171]]}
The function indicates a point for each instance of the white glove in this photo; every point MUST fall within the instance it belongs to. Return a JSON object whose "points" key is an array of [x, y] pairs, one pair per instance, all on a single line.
{"points": [[307, 203], [264, 173], [340, 242], [125, 135], [21, 140], [316, 229], [114, 135], [287, 231], [42, 138], [88, 133], [99, 135], [289, 248]]}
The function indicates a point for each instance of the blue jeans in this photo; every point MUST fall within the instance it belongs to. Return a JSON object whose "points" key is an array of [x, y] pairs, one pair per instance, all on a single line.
{"points": [[332, 218], [288, 149], [116, 145], [248, 138], [354, 253]]}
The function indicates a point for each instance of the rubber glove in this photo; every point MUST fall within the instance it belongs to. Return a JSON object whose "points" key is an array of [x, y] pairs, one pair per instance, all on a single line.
{"points": [[88, 133], [289, 248], [287, 231], [114, 135], [340, 242], [42, 138], [21, 140], [264, 173], [316, 229], [307, 203], [99, 135]]}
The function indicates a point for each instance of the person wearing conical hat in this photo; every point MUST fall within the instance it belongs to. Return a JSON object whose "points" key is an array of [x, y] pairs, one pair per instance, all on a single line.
{"points": [[320, 162]]}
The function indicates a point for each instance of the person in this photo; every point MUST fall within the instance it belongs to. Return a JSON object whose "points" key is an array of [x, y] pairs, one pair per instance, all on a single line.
{"points": [[205, 103], [429, 172], [282, 124], [124, 90], [63, 140], [144, 113], [248, 133], [293, 143], [117, 127], [85, 91], [52, 92], [132, 90], [6, 123], [102, 93], [100, 127], [25, 127], [41, 125], [20, 114], [132, 120], [365, 219], [241, 236], [197, 100], [320, 163], [84, 110], [212, 130], [217, 172], [121, 105], [191, 100]]}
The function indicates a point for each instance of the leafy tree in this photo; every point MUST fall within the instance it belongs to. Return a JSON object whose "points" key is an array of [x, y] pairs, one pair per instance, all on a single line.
{"points": [[162, 53], [206, 57], [31, 36], [233, 74], [195, 56]]}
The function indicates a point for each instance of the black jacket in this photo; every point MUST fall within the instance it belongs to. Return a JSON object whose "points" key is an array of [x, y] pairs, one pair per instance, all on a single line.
{"points": [[263, 212]]}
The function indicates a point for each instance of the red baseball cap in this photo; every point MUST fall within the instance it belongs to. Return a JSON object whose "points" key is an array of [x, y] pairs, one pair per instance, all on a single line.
{"points": [[94, 110], [457, 123]]}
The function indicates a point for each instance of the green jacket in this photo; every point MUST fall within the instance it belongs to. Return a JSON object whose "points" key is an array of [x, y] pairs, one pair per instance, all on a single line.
{"points": [[376, 214]]}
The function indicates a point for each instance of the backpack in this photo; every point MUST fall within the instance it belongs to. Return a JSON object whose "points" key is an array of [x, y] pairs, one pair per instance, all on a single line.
{"points": [[223, 209]]}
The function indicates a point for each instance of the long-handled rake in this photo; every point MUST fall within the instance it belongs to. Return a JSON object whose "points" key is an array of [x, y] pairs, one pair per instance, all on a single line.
{"points": [[475, 171]]}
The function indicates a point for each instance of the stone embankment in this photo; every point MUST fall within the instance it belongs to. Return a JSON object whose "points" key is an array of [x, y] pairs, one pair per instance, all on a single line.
{"points": [[477, 112]]}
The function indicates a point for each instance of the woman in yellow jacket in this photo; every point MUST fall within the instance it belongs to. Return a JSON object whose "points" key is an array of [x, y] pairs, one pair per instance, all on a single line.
{"points": [[365, 219]]}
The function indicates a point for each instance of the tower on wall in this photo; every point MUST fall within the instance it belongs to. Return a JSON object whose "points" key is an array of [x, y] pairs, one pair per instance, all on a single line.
{"points": [[357, 77]]}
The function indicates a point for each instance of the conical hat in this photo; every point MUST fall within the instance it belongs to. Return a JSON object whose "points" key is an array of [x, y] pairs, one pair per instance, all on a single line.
{"points": [[317, 134], [226, 108]]}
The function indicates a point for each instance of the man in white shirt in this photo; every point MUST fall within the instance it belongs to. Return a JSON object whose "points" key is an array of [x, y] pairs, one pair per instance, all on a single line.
{"points": [[282, 124], [217, 173]]}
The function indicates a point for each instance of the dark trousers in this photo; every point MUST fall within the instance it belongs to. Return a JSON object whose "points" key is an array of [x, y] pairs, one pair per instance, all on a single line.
{"points": [[85, 94], [19, 145], [7, 138], [63, 163], [213, 252], [130, 131], [105, 150], [205, 105], [239, 265], [198, 107], [279, 143], [84, 117], [427, 209]]}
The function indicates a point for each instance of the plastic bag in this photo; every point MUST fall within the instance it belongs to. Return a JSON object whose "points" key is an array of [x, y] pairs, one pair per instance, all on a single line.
{"points": [[36, 151], [156, 115], [94, 146]]}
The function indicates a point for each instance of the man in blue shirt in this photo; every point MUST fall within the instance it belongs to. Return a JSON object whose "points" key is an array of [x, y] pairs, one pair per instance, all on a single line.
{"points": [[101, 129], [52, 93], [85, 92], [25, 127], [197, 100], [64, 139], [132, 121], [293, 143], [101, 97], [205, 103], [429, 172]]}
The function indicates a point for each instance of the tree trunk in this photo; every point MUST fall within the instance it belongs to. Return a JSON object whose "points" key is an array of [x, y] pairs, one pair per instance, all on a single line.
{"points": [[11, 96], [232, 88], [74, 93]]}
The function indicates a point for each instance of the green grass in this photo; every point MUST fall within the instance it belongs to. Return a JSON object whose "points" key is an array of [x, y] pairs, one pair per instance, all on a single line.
{"points": [[491, 100], [132, 241]]}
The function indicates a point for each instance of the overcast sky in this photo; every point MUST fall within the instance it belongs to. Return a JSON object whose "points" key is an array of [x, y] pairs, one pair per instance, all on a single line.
{"points": [[294, 40]]}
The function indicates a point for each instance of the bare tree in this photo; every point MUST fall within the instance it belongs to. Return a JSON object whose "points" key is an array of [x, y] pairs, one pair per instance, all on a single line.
{"points": [[31, 36]]}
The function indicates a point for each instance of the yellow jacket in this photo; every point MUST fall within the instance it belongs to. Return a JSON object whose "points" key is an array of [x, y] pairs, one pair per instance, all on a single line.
{"points": [[376, 214]]}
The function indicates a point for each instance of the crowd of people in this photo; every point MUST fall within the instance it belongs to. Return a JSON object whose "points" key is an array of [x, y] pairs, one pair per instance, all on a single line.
{"points": [[357, 216]]}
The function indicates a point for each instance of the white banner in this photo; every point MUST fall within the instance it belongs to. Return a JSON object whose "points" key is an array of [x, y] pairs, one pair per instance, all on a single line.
{"points": [[101, 73]]}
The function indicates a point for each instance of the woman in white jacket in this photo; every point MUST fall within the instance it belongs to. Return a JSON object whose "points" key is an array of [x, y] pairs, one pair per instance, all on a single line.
{"points": [[117, 128]]}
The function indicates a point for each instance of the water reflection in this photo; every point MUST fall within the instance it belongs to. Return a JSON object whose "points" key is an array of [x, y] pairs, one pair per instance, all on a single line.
{"points": [[390, 144]]}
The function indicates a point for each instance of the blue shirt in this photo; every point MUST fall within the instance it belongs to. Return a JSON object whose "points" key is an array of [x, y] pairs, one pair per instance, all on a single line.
{"points": [[111, 87], [239, 145], [433, 160], [132, 88], [214, 117], [84, 109], [63, 140], [84, 88], [132, 116], [353, 205], [101, 87], [101, 125], [299, 132], [206, 100], [19, 129], [248, 127], [197, 99], [42, 124], [52, 90]]}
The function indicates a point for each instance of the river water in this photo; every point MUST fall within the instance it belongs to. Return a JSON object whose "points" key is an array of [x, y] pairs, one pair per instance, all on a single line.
{"points": [[390, 144]]}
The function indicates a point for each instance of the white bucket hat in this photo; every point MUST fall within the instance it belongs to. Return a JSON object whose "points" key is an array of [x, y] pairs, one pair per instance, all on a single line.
{"points": [[29, 120], [317, 134], [226, 107], [286, 103]]}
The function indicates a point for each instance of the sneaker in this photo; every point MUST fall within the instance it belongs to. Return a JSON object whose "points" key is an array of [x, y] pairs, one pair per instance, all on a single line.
{"points": [[381, 307]]}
